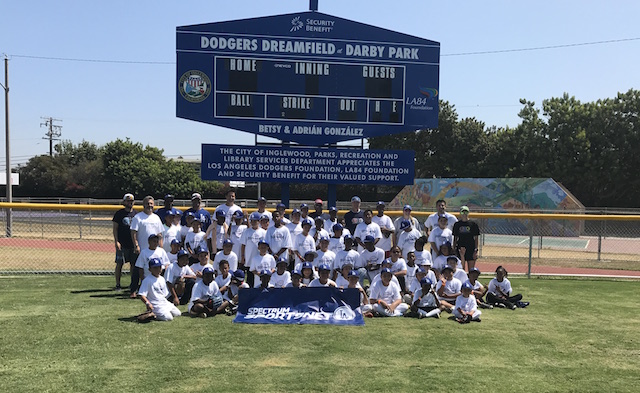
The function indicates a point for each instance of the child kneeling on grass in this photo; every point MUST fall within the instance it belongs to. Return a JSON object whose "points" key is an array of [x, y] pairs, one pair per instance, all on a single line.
{"points": [[499, 292], [206, 299], [153, 292], [466, 308]]}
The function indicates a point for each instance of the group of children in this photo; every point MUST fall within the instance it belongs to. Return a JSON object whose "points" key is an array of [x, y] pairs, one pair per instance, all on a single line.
{"points": [[273, 251]]}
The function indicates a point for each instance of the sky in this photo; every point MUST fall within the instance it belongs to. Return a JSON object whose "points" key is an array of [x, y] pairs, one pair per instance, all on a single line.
{"points": [[133, 94]]}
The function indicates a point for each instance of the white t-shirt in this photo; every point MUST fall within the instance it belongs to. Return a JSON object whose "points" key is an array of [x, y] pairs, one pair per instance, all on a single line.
{"points": [[223, 281], [280, 281], [414, 223], [155, 290], [422, 257], [468, 304], [250, 239], [451, 287], [323, 233], [236, 236], [398, 265], [169, 234], [328, 257], [294, 229], [303, 244], [197, 267], [316, 283], [440, 236], [278, 238], [384, 221], [221, 234], [193, 240], [407, 241], [184, 230], [147, 254], [415, 285], [233, 290], [336, 244], [232, 258], [375, 257], [174, 272], [201, 291], [424, 301], [343, 257], [389, 294], [228, 211], [146, 225], [432, 221], [505, 286], [461, 275], [260, 263], [363, 230]]}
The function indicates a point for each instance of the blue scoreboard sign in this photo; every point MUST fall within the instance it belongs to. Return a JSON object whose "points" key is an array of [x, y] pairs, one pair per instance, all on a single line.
{"points": [[308, 77], [307, 165]]}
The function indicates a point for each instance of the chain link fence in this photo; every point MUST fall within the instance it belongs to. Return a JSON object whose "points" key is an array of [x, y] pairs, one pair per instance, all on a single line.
{"points": [[67, 237]]}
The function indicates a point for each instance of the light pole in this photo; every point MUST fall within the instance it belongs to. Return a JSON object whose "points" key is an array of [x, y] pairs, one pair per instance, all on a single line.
{"points": [[8, 185]]}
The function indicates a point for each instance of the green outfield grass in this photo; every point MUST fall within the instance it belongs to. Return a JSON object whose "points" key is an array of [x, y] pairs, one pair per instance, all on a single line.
{"points": [[73, 334]]}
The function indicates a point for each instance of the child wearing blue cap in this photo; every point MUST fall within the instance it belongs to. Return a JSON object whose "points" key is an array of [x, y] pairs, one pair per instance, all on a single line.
{"points": [[262, 261], [466, 308], [180, 279], [323, 280], [206, 299], [308, 273], [385, 296], [281, 277], [425, 302], [440, 235], [226, 254], [231, 295], [153, 292], [296, 280]]}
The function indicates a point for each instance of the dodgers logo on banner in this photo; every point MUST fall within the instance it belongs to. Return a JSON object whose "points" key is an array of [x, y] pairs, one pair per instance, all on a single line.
{"points": [[300, 306]]}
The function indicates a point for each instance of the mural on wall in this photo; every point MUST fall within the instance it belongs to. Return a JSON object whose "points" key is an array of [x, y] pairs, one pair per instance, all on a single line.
{"points": [[497, 195]]}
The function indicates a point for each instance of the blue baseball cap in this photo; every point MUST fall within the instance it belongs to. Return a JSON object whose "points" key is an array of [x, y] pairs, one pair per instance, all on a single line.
{"points": [[407, 207], [356, 198], [171, 212], [446, 268], [207, 270], [467, 285], [324, 266], [255, 216], [262, 199], [195, 218], [227, 241], [265, 272], [323, 239], [307, 221], [426, 280], [296, 273], [315, 254], [474, 270], [369, 239], [175, 241], [281, 205], [262, 241], [265, 217], [155, 262], [347, 237], [190, 214], [385, 270], [238, 214], [200, 250], [307, 265], [168, 196], [182, 253], [353, 273], [337, 227], [421, 270], [333, 209], [304, 206], [404, 224], [295, 211], [282, 259], [220, 213], [152, 236], [238, 275], [381, 203]]}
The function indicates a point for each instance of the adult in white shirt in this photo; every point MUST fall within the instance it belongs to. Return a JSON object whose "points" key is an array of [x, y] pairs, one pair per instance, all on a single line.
{"points": [[385, 296], [229, 207], [367, 228], [144, 224], [386, 227], [262, 208], [432, 221]]}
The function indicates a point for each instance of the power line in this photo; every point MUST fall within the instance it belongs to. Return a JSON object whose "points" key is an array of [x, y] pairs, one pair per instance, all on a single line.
{"points": [[443, 55], [542, 47]]}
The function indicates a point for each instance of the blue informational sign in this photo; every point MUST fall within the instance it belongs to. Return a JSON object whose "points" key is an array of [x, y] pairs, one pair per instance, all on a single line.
{"points": [[307, 77], [307, 165], [300, 306]]}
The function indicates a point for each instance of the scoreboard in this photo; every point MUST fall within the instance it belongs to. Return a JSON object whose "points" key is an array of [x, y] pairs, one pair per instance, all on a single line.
{"points": [[309, 78]]}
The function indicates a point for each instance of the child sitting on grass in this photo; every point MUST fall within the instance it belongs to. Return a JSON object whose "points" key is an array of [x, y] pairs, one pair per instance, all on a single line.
{"points": [[499, 292], [153, 293], [479, 290], [466, 309], [425, 302]]}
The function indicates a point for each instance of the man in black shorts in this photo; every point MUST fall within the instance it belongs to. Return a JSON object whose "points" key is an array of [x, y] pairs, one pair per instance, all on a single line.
{"points": [[125, 251]]}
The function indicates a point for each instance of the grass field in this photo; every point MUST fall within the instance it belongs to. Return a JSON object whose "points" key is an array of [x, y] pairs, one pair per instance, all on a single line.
{"points": [[73, 334]]}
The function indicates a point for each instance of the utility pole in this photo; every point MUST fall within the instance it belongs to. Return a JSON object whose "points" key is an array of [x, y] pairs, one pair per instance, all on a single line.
{"points": [[8, 186], [53, 131]]}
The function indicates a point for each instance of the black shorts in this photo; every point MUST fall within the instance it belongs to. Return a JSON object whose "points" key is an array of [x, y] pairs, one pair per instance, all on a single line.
{"points": [[468, 254]]}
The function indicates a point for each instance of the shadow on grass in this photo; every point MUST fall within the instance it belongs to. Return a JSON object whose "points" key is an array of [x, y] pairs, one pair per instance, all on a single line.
{"points": [[119, 295], [133, 319], [92, 291]]}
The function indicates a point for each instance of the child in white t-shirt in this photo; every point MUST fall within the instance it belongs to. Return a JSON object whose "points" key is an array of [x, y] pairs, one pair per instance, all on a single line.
{"points": [[153, 292], [425, 302], [281, 277], [466, 308], [499, 292]]}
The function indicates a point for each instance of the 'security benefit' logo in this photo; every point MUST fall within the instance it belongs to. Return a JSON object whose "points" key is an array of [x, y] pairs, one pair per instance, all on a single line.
{"points": [[194, 86]]}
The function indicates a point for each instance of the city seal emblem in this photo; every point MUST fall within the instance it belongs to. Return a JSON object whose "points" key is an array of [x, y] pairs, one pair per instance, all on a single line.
{"points": [[194, 86]]}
